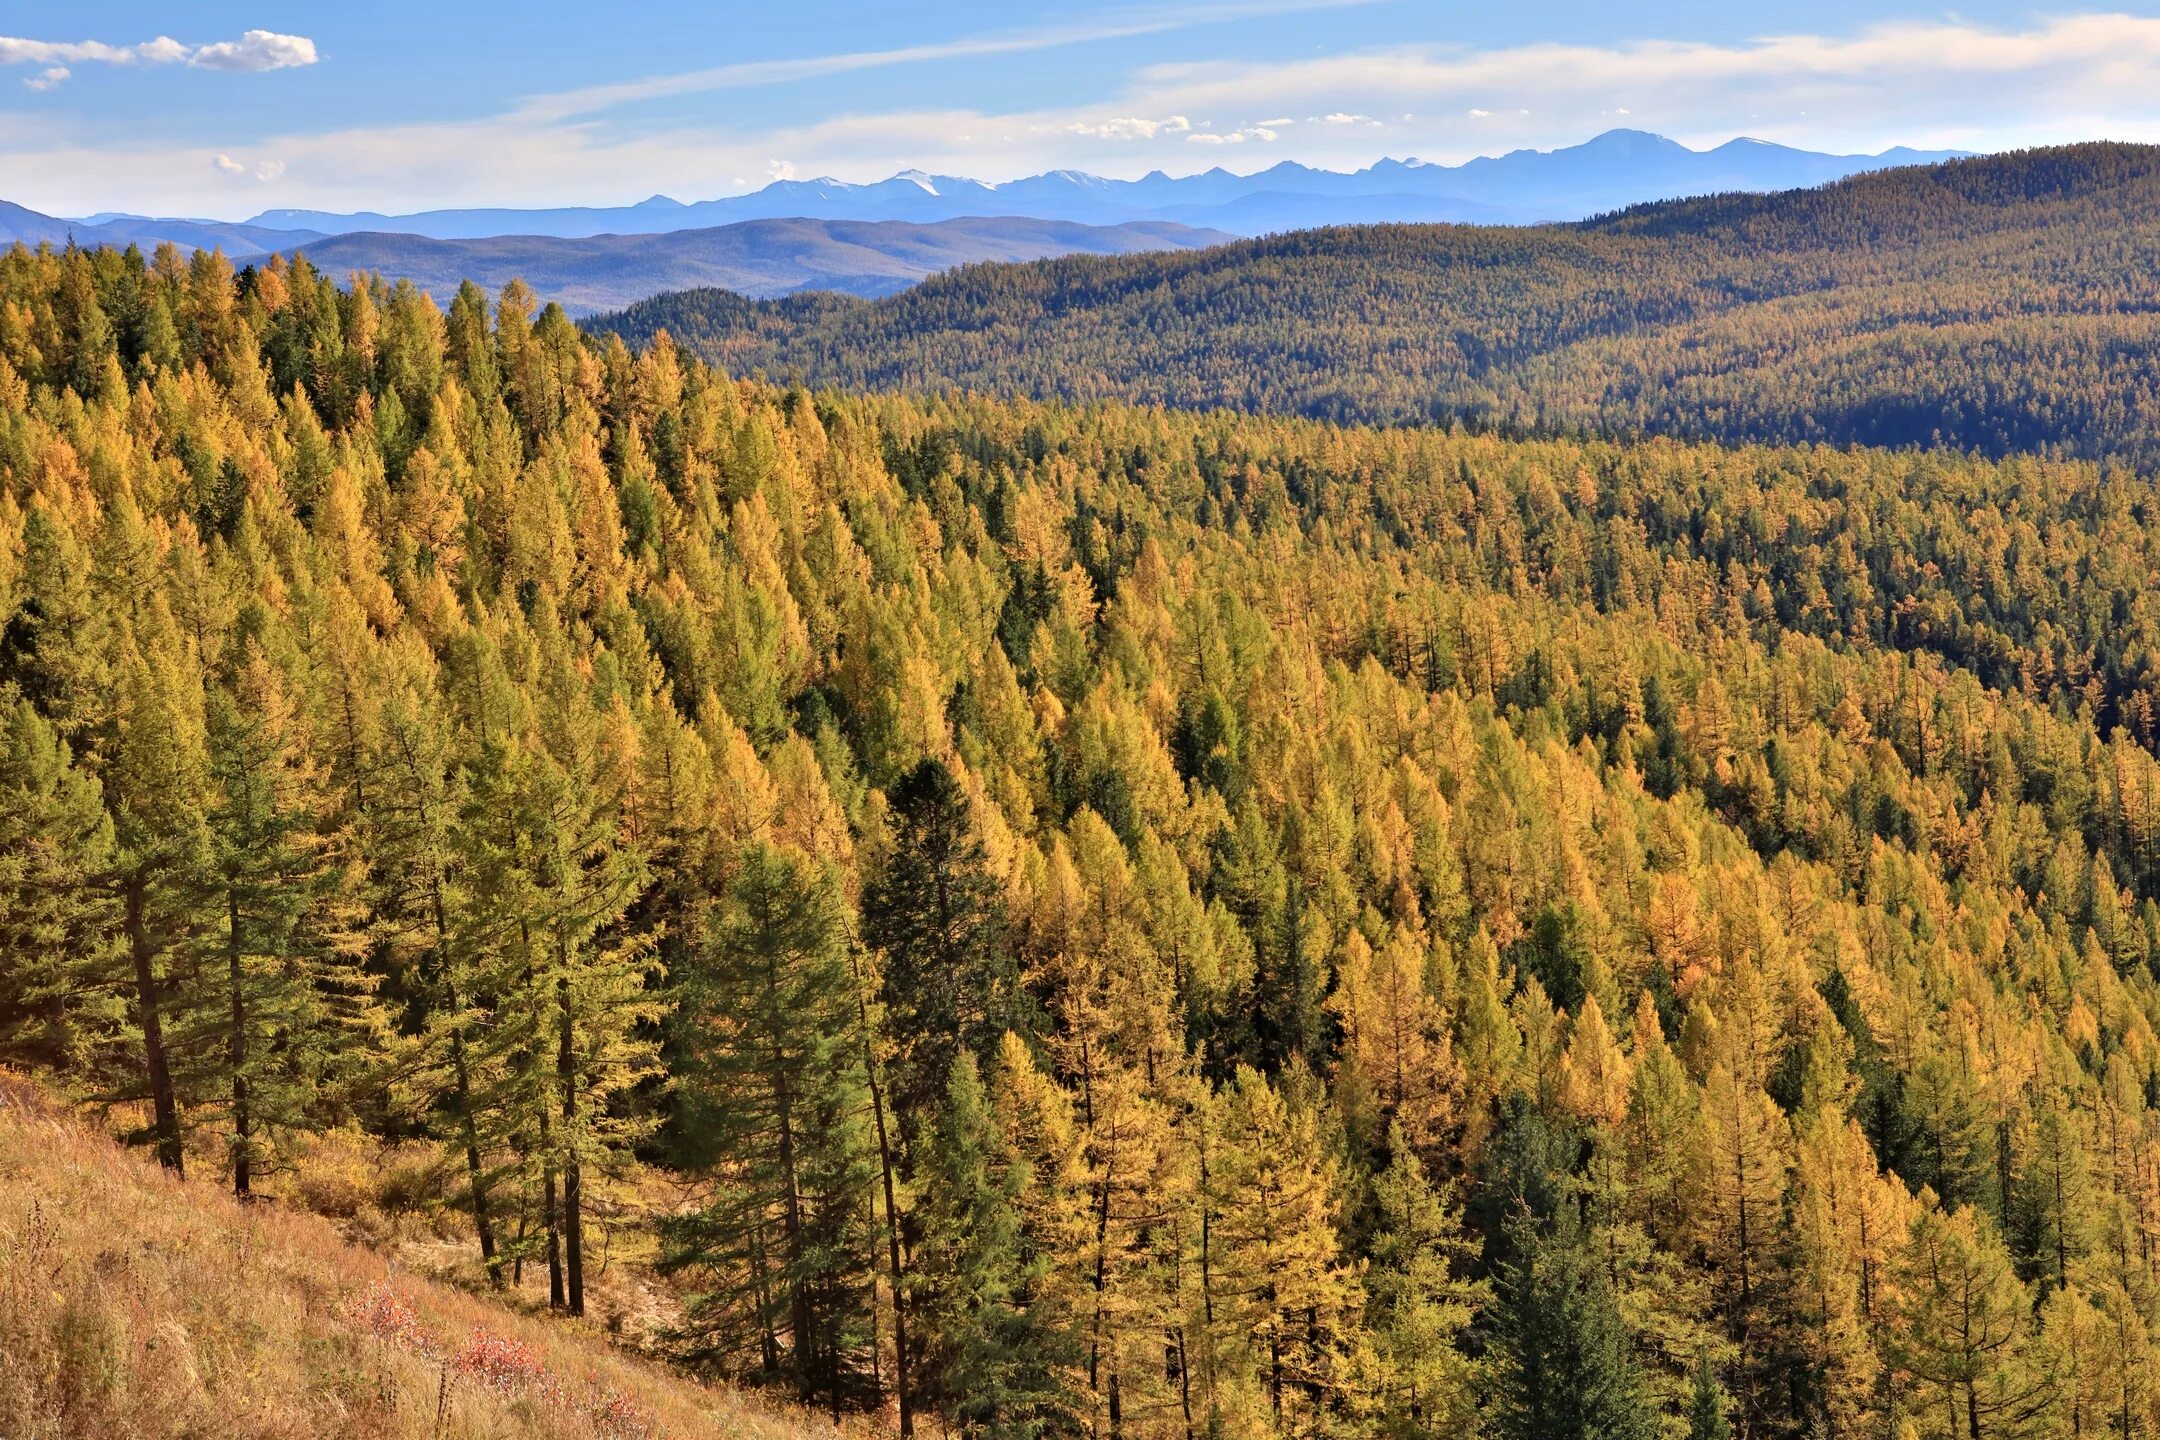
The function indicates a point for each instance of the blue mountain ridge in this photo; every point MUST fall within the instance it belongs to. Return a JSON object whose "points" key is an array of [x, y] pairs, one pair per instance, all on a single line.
{"points": [[1614, 170]]}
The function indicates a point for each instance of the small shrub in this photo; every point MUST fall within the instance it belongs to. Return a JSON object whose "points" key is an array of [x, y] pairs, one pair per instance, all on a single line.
{"points": [[381, 1312], [498, 1362]]}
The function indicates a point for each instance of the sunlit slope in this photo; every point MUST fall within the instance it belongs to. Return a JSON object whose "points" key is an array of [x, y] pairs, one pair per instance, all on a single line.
{"points": [[134, 1305]]}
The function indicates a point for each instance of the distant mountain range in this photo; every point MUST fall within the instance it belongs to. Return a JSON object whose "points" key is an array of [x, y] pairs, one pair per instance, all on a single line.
{"points": [[760, 258], [1618, 168], [875, 239], [241, 241]]}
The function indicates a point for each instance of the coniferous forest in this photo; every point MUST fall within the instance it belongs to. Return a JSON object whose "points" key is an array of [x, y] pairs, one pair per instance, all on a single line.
{"points": [[1998, 304], [1041, 922]]}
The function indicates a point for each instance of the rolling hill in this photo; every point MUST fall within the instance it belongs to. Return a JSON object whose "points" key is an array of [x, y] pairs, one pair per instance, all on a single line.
{"points": [[1620, 167], [756, 257], [19, 224], [1334, 917], [1999, 304]]}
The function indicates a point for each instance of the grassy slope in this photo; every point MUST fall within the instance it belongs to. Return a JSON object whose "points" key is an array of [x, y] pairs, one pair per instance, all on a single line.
{"points": [[133, 1305]]}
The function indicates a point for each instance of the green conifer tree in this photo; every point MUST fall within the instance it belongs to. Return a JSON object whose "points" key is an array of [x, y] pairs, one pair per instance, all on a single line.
{"points": [[774, 1108], [999, 1355]]}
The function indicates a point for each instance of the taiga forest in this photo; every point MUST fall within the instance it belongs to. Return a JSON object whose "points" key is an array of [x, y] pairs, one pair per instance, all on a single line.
{"points": [[1005, 917]]}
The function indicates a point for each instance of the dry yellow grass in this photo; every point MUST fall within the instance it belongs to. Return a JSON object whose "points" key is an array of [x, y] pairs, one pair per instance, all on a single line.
{"points": [[132, 1305]]}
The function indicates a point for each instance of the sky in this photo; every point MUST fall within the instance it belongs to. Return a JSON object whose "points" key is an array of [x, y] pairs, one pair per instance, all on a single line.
{"points": [[224, 110]]}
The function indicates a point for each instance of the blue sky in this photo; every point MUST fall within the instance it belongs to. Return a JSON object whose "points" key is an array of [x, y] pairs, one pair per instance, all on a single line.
{"points": [[226, 109]]}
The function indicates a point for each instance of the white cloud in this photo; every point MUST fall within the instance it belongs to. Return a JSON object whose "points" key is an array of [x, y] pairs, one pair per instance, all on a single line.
{"points": [[780, 169], [255, 50], [1339, 118], [48, 78], [1936, 83], [14, 51], [1120, 25], [228, 165], [1129, 127], [270, 170], [1275, 124]]}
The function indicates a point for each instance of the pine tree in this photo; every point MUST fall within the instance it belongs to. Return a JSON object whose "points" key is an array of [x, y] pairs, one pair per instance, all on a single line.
{"points": [[1707, 1404], [1962, 1329], [1288, 1297], [158, 791], [933, 912], [425, 906], [1560, 1354], [265, 875], [774, 1116], [1000, 1351], [1562, 1363], [2051, 1196], [62, 996], [1419, 1300], [570, 990]]}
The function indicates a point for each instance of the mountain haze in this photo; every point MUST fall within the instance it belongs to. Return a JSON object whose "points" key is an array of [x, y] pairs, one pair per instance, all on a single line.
{"points": [[1620, 167], [753, 257], [18, 224]]}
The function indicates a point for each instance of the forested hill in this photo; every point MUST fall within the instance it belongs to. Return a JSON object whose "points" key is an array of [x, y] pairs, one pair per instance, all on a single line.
{"points": [[1997, 304], [1081, 921]]}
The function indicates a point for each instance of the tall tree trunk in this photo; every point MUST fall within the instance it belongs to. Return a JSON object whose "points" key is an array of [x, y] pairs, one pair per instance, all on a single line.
{"points": [[901, 1390], [476, 1181], [461, 1078], [164, 1107], [573, 1211], [768, 1342], [550, 1218], [236, 1049], [802, 1322]]}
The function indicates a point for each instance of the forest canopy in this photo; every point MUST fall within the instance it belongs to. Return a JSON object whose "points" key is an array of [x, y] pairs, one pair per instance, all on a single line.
{"points": [[1114, 921]]}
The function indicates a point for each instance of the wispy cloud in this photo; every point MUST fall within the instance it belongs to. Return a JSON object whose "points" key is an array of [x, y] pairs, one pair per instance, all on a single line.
{"points": [[256, 50], [1940, 83], [1263, 133], [1110, 25]]}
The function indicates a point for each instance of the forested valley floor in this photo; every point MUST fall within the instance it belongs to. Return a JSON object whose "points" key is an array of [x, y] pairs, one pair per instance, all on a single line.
{"points": [[1099, 921]]}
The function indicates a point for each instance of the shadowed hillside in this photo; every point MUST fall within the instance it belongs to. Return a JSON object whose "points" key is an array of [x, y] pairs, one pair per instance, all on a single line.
{"points": [[1997, 304]]}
